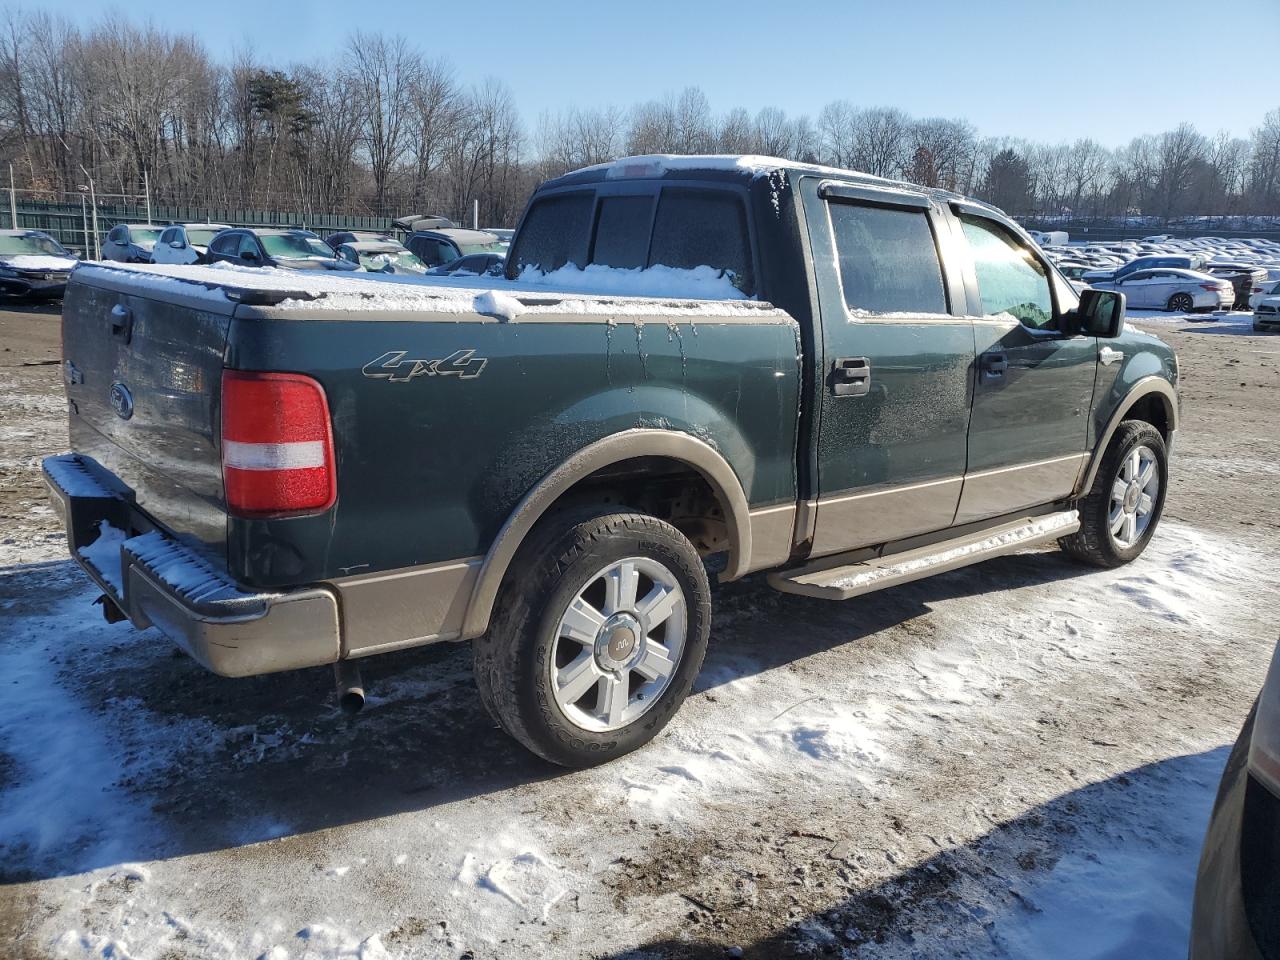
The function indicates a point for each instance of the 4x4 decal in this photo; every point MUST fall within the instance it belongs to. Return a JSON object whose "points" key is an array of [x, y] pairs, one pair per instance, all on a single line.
{"points": [[394, 367]]}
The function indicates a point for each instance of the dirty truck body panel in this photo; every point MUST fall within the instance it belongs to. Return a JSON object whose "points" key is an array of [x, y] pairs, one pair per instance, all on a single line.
{"points": [[898, 374]]}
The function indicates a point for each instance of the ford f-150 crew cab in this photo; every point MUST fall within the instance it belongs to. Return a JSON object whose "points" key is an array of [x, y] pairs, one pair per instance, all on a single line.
{"points": [[283, 470]]}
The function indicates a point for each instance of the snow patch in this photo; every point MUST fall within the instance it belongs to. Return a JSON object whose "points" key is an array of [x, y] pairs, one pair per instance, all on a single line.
{"points": [[699, 283], [32, 261], [104, 554]]}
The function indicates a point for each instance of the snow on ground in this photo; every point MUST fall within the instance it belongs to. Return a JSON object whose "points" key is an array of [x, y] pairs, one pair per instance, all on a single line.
{"points": [[161, 812], [1222, 321]]}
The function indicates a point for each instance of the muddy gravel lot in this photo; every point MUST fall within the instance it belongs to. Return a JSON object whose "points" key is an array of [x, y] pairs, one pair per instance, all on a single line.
{"points": [[1016, 759]]}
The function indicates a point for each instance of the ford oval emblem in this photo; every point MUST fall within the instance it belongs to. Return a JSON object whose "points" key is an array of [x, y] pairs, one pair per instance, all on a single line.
{"points": [[121, 400]]}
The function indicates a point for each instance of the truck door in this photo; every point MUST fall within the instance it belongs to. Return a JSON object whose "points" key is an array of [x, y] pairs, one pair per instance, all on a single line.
{"points": [[897, 361], [1029, 429]]}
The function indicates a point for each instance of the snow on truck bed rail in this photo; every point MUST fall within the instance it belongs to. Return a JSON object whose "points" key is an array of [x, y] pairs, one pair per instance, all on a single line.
{"points": [[595, 291]]}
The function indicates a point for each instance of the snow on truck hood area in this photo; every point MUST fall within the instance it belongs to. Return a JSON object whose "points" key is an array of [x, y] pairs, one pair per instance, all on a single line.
{"points": [[37, 261], [170, 813], [604, 291]]}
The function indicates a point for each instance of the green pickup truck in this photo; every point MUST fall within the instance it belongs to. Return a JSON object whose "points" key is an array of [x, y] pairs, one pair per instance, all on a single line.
{"points": [[693, 364]]}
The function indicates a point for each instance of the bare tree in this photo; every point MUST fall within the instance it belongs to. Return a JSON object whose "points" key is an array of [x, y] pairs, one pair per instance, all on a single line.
{"points": [[1264, 164], [383, 73]]}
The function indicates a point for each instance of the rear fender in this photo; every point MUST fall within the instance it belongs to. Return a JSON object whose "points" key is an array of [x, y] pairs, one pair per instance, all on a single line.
{"points": [[615, 448]]}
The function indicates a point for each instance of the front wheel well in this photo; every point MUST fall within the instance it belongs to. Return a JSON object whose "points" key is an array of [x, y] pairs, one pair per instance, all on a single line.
{"points": [[1153, 410]]}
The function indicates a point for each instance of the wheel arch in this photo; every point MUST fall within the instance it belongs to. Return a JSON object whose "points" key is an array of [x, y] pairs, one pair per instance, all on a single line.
{"points": [[693, 453], [1151, 399]]}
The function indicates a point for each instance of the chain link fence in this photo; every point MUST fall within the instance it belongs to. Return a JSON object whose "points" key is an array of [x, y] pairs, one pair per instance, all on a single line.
{"points": [[69, 219]]}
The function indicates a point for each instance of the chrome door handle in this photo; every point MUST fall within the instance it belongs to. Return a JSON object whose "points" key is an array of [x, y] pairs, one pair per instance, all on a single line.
{"points": [[1106, 355]]}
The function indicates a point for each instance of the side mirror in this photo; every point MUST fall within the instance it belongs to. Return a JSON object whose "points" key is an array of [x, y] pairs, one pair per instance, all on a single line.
{"points": [[177, 244], [1100, 314], [249, 255]]}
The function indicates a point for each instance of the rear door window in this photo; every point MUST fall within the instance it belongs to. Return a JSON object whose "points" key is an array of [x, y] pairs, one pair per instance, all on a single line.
{"points": [[622, 231], [695, 228], [888, 259], [555, 232]]}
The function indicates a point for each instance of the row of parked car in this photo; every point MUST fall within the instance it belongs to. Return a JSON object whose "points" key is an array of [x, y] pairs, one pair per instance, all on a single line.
{"points": [[35, 266], [433, 245], [1163, 273]]}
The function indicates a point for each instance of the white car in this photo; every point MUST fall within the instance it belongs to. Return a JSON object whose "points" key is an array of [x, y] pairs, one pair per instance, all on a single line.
{"points": [[1172, 288], [130, 242], [1266, 315], [185, 242], [1269, 287]]}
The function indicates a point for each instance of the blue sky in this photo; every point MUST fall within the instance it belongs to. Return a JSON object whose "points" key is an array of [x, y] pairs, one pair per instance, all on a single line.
{"points": [[1043, 70]]}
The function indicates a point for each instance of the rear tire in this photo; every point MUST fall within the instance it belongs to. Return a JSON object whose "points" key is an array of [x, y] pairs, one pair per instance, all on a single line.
{"points": [[1181, 303], [1120, 513], [600, 629]]}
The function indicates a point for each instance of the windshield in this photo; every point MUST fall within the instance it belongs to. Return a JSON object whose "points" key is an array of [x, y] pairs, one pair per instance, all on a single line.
{"points": [[144, 234], [201, 238], [470, 248], [292, 246], [401, 261], [16, 246]]}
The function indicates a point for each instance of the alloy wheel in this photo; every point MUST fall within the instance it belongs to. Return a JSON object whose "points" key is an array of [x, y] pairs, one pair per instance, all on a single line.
{"points": [[618, 644], [1133, 496]]}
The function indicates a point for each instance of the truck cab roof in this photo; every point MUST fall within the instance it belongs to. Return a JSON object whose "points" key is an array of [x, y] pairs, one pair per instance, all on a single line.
{"points": [[731, 167]]}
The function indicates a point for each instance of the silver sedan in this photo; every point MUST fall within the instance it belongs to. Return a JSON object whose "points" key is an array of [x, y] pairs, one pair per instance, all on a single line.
{"points": [[1171, 288]]}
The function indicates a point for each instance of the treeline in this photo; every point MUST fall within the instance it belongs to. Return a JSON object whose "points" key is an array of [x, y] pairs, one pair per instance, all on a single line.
{"points": [[380, 127]]}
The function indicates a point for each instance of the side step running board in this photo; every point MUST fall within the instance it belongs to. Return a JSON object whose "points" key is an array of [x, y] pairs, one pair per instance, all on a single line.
{"points": [[855, 579]]}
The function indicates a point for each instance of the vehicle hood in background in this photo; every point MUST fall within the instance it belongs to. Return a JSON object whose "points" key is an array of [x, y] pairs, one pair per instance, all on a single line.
{"points": [[39, 261]]}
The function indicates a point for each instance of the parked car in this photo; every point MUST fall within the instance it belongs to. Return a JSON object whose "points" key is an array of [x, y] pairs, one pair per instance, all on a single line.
{"points": [[186, 242], [438, 247], [422, 221], [335, 240], [33, 264], [1235, 913], [1266, 315], [1264, 289], [290, 249], [1242, 277], [130, 242], [1182, 291], [381, 256], [1177, 261], [473, 265], [537, 488]]}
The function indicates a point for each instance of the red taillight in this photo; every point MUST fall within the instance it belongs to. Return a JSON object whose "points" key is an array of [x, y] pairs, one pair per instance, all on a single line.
{"points": [[277, 444], [1211, 287]]}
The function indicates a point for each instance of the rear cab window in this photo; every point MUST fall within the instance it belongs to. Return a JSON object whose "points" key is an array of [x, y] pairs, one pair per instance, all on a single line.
{"points": [[555, 232], [676, 226]]}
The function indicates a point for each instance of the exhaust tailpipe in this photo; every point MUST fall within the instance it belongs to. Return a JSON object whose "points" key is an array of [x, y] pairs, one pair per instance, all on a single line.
{"points": [[350, 687], [111, 611]]}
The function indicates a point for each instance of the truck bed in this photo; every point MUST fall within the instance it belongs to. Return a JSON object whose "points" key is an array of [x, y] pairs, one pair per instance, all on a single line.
{"points": [[450, 399]]}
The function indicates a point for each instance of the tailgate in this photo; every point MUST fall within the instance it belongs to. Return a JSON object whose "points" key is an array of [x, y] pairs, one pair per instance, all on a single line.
{"points": [[143, 371]]}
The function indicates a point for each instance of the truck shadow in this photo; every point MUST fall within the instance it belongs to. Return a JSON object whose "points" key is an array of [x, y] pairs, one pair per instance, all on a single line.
{"points": [[189, 762], [1104, 871]]}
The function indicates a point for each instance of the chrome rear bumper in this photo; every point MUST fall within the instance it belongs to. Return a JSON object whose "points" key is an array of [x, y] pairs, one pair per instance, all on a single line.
{"points": [[165, 583]]}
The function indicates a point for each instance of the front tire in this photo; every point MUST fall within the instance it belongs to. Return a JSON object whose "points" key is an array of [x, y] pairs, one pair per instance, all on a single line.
{"points": [[601, 627], [1120, 514], [1181, 303]]}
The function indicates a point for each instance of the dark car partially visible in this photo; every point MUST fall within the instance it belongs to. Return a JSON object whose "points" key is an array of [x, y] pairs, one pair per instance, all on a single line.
{"points": [[1242, 277], [33, 265], [1236, 914]]}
